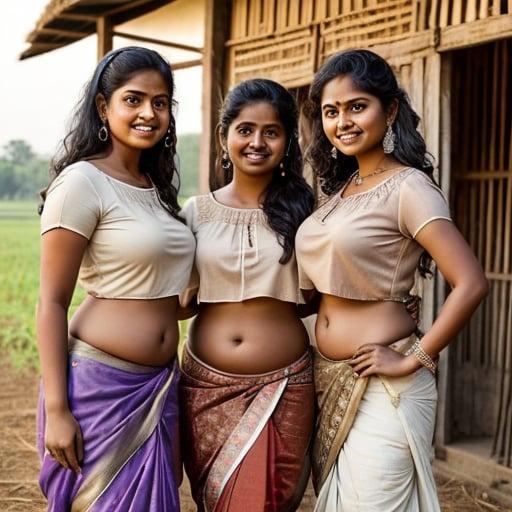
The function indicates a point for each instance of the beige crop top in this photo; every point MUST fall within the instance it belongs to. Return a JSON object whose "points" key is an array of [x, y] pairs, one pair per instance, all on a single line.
{"points": [[237, 255], [136, 249], [362, 246]]}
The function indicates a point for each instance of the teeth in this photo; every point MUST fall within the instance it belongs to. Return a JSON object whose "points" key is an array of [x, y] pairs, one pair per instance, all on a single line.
{"points": [[347, 138], [144, 128]]}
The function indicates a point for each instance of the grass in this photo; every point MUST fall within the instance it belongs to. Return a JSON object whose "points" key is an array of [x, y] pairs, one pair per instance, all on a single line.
{"points": [[19, 274], [19, 278]]}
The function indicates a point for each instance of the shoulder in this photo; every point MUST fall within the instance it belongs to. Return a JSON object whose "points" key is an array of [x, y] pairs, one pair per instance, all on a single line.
{"points": [[192, 207]]}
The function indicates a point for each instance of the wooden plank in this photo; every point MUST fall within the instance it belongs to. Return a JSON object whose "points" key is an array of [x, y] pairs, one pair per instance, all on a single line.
{"points": [[307, 15], [456, 12], [470, 11], [431, 89], [475, 33], [294, 14], [269, 16], [282, 8], [444, 14], [216, 33]]}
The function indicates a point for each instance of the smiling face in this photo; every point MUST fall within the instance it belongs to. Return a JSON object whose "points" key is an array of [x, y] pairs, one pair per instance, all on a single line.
{"points": [[353, 120], [138, 113], [256, 140]]}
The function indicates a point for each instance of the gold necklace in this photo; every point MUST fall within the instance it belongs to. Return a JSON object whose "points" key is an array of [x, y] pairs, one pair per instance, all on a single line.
{"points": [[358, 179]]}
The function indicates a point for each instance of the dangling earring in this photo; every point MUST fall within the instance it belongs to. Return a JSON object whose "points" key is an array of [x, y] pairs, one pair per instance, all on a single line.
{"points": [[225, 161], [283, 172], [334, 153], [168, 140], [388, 142], [103, 133]]}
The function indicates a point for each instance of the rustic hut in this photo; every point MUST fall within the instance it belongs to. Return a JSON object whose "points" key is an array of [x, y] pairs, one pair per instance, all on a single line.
{"points": [[454, 59]]}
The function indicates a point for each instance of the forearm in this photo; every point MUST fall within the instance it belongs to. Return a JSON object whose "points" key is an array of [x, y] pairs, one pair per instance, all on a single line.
{"points": [[454, 315], [52, 337]]}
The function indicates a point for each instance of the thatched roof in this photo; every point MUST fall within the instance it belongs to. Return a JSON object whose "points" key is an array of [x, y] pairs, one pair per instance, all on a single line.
{"points": [[66, 21]]}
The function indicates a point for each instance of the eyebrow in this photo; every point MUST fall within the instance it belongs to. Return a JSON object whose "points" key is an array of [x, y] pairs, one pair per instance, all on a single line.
{"points": [[350, 101], [252, 123], [142, 93]]}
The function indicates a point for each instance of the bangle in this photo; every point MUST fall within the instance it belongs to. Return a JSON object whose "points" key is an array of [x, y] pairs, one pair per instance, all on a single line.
{"points": [[422, 357]]}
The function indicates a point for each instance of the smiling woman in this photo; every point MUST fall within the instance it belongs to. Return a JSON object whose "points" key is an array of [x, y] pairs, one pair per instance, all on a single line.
{"points": [[110, 218]]}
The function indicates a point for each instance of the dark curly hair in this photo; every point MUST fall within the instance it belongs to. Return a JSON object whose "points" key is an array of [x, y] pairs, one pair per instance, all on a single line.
{"points": [[372, 74], [289, 199], [82, 142]]}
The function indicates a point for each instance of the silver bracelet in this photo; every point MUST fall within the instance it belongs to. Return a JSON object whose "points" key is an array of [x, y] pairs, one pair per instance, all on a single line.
{"points": [[422, 357]]}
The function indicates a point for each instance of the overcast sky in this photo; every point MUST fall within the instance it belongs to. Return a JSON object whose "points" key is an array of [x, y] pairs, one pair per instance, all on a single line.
{"points": [[38, 94]]}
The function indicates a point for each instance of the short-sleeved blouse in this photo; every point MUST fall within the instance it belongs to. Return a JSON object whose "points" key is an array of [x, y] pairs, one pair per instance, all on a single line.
{"points": [[136, 248], [237, 255], [363, 246]]}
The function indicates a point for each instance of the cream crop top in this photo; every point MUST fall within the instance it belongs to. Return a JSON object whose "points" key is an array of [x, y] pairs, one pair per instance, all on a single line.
{"points": [[136, 249], [237, 255], [362, 246]]}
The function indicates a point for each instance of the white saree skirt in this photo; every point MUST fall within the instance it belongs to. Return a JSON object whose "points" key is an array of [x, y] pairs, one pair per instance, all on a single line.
{"points": [[384, 464]]}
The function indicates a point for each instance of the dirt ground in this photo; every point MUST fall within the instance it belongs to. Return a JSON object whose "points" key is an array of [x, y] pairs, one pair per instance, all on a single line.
{"points": [[19, 491]]}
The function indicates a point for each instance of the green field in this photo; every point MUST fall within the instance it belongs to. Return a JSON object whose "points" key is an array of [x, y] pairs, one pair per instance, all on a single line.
{"points": [[19, 274], [19, 278]]}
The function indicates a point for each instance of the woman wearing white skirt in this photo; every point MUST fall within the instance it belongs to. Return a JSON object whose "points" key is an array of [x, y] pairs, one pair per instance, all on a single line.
{"points": [[383, 223]]}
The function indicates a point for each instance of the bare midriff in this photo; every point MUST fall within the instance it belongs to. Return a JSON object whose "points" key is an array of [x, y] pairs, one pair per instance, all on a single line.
{"points": [[251, 337], [344, 325], [141, 331]]}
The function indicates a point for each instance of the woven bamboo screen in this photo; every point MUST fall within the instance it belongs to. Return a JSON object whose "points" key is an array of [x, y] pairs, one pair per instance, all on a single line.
{"points": [[263, 32], [482, 198]]}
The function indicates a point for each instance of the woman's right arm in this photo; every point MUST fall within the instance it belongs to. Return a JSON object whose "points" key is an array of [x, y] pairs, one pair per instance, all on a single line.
{"points": [[61, 255]]}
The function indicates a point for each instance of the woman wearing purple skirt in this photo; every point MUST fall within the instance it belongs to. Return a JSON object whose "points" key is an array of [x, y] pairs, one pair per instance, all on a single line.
{"points": [[108, 414]]}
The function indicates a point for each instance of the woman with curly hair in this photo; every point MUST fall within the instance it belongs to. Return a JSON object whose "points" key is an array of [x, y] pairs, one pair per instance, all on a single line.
{"points": [[385, 219]]}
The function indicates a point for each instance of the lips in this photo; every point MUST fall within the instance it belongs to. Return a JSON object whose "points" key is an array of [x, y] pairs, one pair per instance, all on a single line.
{"points": [[347, 138], [256, 156], [143, 128]]}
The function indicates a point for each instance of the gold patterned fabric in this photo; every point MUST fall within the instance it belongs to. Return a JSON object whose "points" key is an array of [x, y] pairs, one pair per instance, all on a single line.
{"points": [[339, 391], [246, 438]]}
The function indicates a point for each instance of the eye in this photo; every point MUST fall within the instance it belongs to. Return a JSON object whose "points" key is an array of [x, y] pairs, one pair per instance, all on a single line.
{"points": [[244, 130], [160, 103], [358, 107], [330, 113], [271, 133], [132, 100]]}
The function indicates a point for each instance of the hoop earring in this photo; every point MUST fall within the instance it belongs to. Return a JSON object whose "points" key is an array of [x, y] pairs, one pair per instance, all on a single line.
{"points": [[103, 133], [168, 139], [334, 153], [225, 161], [283, 171], [388, 142]]}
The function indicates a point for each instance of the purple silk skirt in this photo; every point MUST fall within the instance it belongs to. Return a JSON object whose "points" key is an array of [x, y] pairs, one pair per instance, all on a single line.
{"points": [[128, 414]]}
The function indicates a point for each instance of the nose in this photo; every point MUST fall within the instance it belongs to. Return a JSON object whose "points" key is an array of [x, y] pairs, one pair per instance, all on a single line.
{"points": [[343, 120], [257, 140], [146, 111]]}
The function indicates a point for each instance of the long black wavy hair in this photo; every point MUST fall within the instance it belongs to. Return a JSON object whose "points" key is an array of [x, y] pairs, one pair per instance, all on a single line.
{"points": [[372, 74], [82, 142], [289, 199]]}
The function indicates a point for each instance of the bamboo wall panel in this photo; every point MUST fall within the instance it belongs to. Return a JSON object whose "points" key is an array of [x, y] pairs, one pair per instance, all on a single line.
{"points": [[260, 31], [442, 13], [377, 23], [289, 60], [481, 357]]}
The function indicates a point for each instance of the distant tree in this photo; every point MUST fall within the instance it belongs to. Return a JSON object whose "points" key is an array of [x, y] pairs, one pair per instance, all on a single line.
{"points": [[22, 173]]}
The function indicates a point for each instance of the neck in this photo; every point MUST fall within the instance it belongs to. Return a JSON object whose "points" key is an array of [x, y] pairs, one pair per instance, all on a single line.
{"points": [[246, 193], [381, 163]]}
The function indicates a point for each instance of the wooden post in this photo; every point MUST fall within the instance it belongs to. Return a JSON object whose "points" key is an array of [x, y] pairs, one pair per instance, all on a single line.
{"points": [[105, 37], [217, 27]]}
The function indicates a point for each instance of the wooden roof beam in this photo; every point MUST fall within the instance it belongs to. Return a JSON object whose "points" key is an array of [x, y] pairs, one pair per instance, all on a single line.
{"points": [[161, 42]]}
